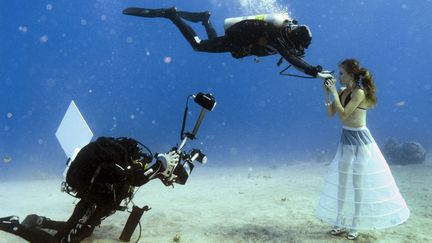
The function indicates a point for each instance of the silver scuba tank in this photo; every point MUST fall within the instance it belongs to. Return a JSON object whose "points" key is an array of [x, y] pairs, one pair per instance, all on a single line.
{"points": [[277, 19]]}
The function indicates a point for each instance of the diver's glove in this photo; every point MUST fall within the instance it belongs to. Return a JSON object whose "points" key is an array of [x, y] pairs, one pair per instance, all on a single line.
{"points": [[325, 75], [313, 71], [169, 162]]}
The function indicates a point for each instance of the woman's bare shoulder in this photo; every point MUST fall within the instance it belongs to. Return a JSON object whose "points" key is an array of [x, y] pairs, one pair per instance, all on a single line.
{"points": [[359, 91]]}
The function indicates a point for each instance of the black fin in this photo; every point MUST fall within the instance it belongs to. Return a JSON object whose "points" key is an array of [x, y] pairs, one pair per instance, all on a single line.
{"points": [[150, 13], [32, 221]]}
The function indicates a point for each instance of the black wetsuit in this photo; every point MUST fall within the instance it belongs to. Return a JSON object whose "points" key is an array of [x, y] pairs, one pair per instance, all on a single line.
{"points": [[111, 184], [241, 39], [86, 216]]}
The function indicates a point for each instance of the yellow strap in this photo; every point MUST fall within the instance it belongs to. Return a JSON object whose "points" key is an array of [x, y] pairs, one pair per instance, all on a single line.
{"points": [[144, 166], [260, 17]]}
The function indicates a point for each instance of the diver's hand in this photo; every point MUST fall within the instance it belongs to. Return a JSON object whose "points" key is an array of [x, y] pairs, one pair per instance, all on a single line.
{"points": [[325, 75], [169, 162], [313, 71], [170, 158]]}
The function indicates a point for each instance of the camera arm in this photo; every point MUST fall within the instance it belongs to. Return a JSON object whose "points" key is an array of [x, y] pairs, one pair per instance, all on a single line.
{"points": [[174, 170]]}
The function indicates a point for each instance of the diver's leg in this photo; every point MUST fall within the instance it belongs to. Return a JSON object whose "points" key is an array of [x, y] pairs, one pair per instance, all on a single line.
{"points": [[86, 216], [187, 32], [195, 17], [170, 13], [76, 228], [218, 45], [215, 45], [203, 17], [12, 225], [36, 221]]}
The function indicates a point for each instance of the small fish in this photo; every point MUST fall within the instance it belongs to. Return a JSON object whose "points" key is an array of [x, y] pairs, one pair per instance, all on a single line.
{"points": [[7, 159]]}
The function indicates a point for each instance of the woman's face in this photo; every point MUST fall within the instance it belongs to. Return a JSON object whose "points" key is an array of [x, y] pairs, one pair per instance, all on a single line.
{"points": [[344, 77]]}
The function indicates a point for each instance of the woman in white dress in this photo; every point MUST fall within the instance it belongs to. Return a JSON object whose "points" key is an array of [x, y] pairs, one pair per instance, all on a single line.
{"points": [[359, 192]]}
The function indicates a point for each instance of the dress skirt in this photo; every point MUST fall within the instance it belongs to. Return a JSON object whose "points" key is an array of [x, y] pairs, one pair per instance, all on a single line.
{"points": [[359, 191]]}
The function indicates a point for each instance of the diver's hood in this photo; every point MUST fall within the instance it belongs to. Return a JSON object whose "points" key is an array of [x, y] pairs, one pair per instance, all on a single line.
{"points": [[301, 36], [136, 150]]}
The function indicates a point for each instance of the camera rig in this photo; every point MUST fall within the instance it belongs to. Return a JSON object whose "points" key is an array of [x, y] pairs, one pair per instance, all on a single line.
{"points": [[179, 172], [175, 171]]}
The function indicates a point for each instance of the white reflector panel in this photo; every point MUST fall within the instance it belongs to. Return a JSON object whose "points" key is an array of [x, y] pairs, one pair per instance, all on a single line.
{"points": [[73, 132]]}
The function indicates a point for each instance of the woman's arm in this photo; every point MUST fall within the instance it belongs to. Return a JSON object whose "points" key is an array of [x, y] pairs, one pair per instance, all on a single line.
{"points": [[358, 96], [330, 106]]}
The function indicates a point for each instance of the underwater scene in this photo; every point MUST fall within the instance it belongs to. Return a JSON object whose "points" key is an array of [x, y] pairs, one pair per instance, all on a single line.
{"points": [[215, 121]]}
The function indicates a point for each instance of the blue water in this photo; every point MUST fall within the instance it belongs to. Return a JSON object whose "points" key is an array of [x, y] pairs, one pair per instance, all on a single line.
{"points": [[112, 66]]}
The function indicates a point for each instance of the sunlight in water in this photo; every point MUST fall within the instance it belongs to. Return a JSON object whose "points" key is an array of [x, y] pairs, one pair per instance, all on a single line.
{"points": [[262, 6]]}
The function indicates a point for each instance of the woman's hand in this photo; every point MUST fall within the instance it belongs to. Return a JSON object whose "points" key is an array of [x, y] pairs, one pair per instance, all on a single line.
{"points": [[326, 76], [330, 84], [325, 87]]}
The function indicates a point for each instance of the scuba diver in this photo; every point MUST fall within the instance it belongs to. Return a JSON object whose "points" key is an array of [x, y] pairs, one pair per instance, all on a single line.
{"points": [[104, 174], [260, 35]]}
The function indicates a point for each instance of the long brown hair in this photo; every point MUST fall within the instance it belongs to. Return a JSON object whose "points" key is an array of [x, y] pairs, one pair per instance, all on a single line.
{"points": [[361, 74]]}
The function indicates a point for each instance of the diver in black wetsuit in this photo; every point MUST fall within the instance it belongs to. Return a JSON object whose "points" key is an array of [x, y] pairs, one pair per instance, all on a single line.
{"points": [[245, 38], [102, 175]]}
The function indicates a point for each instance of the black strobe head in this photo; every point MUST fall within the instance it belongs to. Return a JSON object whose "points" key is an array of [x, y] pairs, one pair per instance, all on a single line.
{"points": [[207, 101]]}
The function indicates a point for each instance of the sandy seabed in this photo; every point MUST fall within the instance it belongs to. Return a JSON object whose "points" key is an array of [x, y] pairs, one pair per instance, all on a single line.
{"points": [[240, 204]]}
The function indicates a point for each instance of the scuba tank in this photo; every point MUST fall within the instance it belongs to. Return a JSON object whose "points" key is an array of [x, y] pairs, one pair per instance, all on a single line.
{"points": [[277, 19]]}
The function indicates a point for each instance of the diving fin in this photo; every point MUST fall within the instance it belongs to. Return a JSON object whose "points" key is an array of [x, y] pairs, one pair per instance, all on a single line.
{"points": [[11, 225], [9, 220], [32, 221], [150, 13]]}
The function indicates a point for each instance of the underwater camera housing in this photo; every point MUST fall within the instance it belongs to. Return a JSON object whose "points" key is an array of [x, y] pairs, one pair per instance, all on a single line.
{"points": [[180, 172]]}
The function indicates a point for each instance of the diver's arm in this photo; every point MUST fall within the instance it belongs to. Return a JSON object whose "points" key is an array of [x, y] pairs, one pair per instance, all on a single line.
{"points": [[162, 168], [138, 176], [299, 63]]}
